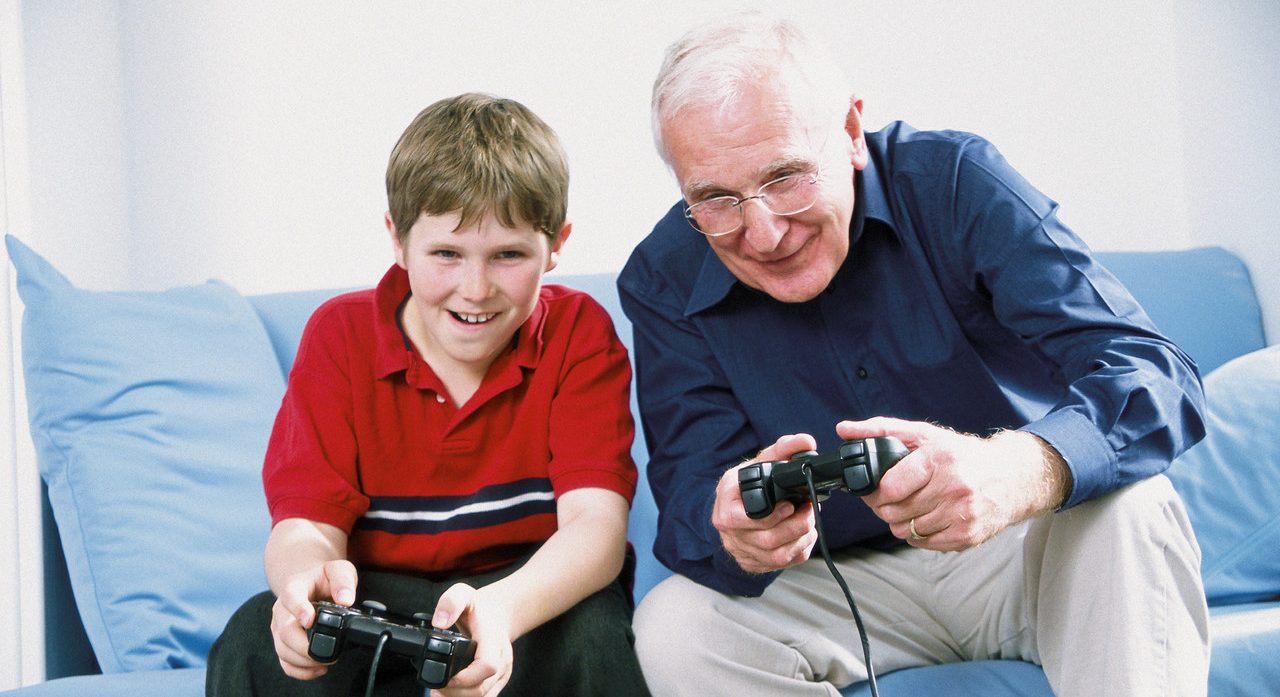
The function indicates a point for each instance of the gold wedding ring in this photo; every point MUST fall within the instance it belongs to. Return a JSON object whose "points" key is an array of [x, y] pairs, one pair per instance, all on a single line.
{"points": [[915, 535]]}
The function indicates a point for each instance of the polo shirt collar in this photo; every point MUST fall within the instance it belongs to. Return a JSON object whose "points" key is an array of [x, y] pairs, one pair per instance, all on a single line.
{"points": [[394, 348], [715, 280]]}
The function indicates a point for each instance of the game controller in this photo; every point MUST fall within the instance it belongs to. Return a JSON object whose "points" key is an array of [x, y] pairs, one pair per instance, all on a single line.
{"points": [[436, 654], [856, 466]]}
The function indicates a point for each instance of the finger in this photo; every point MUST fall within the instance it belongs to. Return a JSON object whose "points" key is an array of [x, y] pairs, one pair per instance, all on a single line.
{"points": [[913, 434], [340, 580], [495, 684], [301, 673], [903, 490], [786, 446], [295, 599], [290, 642], [452, 604], [783, 545]]}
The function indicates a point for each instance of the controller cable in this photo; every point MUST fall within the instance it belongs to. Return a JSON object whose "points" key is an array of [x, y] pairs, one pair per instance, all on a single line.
{"points": [[826, 556], [373, 667]]}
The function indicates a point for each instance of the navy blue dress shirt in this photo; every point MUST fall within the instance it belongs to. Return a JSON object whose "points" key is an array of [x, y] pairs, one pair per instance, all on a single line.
{"points": [[964, 301]]}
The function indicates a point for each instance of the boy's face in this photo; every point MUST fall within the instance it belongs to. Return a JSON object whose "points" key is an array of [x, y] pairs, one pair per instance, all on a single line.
{"points": [[471, 288]]}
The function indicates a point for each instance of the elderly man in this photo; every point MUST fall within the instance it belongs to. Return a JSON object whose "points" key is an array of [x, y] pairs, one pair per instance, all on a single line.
{"points": [[820, 283]]}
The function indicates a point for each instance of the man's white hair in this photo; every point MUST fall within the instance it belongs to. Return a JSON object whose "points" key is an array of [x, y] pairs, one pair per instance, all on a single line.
{"points": [[713, 64]]}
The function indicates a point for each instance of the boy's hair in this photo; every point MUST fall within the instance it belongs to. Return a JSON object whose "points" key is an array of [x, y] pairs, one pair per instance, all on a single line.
{"points": [[477, 154]]}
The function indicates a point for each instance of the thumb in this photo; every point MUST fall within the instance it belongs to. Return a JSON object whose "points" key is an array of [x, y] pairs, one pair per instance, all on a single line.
{"points": [[453, 603], [788, 445], [912, 433], [340, 577]]}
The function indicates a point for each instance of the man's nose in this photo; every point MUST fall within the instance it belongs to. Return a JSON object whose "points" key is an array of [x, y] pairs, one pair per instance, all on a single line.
{"points": [[761, 228]]}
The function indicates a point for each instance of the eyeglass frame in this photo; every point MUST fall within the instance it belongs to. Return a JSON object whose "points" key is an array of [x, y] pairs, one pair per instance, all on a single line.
{"points": [[816, 175]]}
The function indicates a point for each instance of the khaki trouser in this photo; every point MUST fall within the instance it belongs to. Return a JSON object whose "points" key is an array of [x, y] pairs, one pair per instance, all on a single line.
{"points": [[1107, 596]]}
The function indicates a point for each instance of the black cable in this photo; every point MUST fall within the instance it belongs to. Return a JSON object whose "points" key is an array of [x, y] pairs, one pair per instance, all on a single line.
{"points": [[826, 556], [373, 668]]}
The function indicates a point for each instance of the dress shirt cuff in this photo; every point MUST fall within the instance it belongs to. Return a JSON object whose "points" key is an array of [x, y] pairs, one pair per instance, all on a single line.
{"points": [[1089, 457]]}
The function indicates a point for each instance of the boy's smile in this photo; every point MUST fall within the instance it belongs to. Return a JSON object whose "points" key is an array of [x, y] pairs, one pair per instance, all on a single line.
{"points": [[470, 289]]}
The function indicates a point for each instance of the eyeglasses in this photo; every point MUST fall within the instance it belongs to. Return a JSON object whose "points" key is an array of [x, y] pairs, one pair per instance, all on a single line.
{"points": [[786, 195]]}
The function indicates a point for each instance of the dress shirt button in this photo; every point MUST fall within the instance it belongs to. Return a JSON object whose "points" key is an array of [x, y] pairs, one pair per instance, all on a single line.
{"points": [[440, 398], [862, 372]]}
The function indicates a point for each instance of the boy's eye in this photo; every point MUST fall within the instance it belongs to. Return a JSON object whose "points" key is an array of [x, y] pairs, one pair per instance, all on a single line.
{"points": [[445, 254], [510, 254]]}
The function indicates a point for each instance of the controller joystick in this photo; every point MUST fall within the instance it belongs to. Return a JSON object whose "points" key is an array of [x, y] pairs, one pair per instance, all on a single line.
{"points": [[855, 466], [436, 654]]}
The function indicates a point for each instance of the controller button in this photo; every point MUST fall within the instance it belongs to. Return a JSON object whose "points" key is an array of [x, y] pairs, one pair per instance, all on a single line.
{"points": [[434, 673], [374, 607], [753, 501], [857, 478], [439, 646], [324, 647], [853, 448], [328, 619], [750, 473]]}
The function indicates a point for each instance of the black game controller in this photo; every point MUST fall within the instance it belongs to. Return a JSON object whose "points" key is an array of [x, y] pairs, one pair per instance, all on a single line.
{"points": [[437, 654], [856, 466]]}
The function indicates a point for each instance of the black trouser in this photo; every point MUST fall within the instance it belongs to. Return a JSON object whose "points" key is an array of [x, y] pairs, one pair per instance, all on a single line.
{"points": [[586, 651]]}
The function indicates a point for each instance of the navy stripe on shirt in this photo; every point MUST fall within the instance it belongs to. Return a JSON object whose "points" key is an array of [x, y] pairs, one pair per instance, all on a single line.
{"points": [[487, 507]]}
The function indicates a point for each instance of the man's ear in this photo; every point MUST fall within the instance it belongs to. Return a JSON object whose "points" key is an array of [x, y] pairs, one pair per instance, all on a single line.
{"points": [[557, 245], [395, 240], [853, 126]]}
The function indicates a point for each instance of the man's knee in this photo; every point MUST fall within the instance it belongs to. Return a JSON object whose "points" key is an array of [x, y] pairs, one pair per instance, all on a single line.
{"points": [[670, 621]]}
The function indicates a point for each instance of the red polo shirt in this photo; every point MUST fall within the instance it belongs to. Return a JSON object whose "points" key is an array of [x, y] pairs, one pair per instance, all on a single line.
{"points": [[367, 440]]}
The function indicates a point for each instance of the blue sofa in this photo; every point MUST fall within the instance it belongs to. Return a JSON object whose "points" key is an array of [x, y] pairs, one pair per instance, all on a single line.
{"points": [[150, 412]]}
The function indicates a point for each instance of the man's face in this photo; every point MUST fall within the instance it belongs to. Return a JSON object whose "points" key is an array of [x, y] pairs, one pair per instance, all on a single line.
{"points": [[756, 140]]}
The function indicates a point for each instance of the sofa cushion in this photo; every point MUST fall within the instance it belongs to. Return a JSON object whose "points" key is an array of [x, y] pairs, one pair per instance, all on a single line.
{"points": [[1230, 481], [150, 412]]}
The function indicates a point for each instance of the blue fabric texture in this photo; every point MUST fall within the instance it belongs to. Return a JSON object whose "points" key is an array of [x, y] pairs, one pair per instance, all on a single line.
{"points": [[150, 412], [1231, 480]]}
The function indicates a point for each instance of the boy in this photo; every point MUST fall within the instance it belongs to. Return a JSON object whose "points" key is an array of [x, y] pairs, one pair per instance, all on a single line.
{"points": [[455, 441]]}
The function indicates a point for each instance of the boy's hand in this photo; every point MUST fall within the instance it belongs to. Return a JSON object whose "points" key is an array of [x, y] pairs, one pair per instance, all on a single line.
{"points": [[783, 538], [293, 613], [488, 621]]}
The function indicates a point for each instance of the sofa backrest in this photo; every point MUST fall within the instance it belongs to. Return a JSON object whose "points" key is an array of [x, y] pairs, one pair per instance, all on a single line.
{"points": [[1202, 298]]}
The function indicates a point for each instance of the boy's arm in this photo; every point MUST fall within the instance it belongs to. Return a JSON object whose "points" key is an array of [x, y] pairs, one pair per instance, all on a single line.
{"points": [[584, 555], [297, 545], [305, 561]]}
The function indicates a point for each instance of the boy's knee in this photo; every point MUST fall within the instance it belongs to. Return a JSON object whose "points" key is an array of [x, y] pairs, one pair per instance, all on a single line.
{"points": [[247, 629]]}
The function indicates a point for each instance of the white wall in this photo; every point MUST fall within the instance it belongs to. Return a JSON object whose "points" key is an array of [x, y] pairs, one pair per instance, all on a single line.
{"points": [[247, 141]]}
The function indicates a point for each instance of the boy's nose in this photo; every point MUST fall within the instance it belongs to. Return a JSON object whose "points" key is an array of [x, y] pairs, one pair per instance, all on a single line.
{"points": [[475, 283]]}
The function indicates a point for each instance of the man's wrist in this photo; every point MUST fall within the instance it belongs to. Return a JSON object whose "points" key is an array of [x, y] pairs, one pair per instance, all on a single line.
{"points": [[1052, 481]]}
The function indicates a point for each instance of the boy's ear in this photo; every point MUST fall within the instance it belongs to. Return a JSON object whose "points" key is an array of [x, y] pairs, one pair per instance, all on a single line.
{"points": [[395, 240], [554, 257]]}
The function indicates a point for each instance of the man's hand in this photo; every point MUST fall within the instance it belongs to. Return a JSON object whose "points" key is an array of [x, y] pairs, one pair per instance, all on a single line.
{"points": [[784, 538], [293, 613], [955, 490]]}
